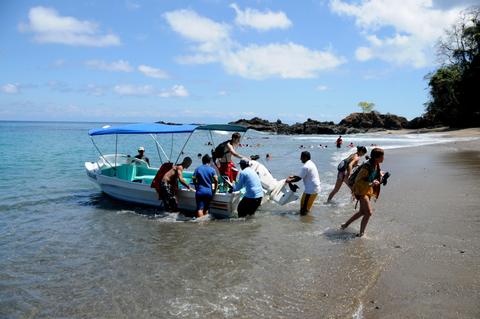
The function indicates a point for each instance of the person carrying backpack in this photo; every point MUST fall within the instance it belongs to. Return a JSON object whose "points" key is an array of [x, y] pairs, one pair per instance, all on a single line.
{"points": [[345, 168], [366, 184], [223, 153]]}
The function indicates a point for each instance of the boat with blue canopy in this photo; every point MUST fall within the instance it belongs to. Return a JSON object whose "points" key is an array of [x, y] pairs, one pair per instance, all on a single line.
{"points": [[129, 179]]}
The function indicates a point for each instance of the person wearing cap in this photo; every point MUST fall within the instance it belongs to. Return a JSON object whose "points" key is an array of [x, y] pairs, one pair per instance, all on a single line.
{"points": [[345, 169], [204, 177], [141, 155], [311, 180], [252, 198]]}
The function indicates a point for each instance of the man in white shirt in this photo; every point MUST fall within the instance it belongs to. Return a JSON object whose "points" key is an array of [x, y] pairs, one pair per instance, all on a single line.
{"points": [[311, 180]]}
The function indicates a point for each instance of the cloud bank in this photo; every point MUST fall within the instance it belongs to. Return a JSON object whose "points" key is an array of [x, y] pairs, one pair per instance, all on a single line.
{"points": [[48, 26]]}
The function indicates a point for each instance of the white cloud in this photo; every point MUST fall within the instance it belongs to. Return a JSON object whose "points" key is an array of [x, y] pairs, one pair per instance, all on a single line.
{"points": [[262, 21], [222, 93], [116, 66], [288, 61], [10, 88], [321, 88], [194, 27], [416, 24], [175, 91], [213, 44], [152, 72], [49, 27], [129, 89]]}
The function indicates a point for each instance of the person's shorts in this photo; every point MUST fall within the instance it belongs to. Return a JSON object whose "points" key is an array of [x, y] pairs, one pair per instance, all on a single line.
{"points": [[341, 175], [248, 206], [306, 202], [203, 202]]}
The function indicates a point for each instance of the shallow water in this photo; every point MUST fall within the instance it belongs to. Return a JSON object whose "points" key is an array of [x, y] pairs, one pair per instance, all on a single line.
{"points": [[69, 251]]}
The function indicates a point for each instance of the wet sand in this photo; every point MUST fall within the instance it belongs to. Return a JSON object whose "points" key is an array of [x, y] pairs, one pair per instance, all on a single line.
{"points": [[431, 206]]}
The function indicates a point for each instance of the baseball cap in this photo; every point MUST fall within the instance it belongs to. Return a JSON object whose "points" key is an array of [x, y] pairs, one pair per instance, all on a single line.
{"points": [[141, 148]]}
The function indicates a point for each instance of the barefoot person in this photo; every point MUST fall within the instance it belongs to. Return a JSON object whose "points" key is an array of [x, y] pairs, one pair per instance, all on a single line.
{"points": [[311, 180], [345, 169], [169, 185], [367, 184], [204, 178]]}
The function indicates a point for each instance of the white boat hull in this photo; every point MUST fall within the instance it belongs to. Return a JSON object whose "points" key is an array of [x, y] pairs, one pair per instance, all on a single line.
{"points": [[223, 205]]}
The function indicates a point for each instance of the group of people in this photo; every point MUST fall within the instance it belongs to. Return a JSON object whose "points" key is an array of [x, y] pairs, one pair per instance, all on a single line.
{"points": [[205, 178], [364, 182]]}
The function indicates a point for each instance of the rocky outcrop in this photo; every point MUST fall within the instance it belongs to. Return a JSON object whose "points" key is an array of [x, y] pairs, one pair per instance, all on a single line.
{"points": [[375, 120], [354, 123]]}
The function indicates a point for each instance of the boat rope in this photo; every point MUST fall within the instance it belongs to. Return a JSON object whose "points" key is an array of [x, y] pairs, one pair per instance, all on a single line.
{"points": [[171, 147]]}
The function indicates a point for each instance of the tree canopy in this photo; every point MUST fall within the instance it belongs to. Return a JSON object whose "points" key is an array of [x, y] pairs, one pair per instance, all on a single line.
{"points": [[366, 107], [454, 87]]}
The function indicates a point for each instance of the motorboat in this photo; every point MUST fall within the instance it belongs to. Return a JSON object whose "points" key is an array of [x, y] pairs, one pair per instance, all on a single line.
{"points": [[129, 179]]}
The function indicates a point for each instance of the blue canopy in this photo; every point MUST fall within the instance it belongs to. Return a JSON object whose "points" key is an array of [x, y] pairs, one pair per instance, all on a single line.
{"points": [[222, 127], [143, 128]]}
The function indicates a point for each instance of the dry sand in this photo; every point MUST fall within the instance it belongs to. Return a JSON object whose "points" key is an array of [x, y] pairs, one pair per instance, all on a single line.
{"points": [[431, 206]]}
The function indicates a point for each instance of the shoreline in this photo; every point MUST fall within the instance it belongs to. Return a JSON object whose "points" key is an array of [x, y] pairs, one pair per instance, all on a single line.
{"points": [[430, 215]]}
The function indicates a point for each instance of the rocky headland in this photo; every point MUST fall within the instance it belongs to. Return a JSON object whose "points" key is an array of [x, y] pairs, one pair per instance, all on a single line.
{"points": [[353, 123]]}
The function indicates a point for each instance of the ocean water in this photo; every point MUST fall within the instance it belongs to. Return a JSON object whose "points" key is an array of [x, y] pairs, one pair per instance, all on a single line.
{"points": [[69, 251]]}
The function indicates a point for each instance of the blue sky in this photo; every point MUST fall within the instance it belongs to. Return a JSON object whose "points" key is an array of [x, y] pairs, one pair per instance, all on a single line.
{"points": [[215, 61]]}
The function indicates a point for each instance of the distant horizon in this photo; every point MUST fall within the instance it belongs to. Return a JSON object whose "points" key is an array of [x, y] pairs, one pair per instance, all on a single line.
{"points": [[217, 61]]}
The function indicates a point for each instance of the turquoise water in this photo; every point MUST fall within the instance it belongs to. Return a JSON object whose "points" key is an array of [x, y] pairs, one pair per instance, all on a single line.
{"points": [[66, 250]]}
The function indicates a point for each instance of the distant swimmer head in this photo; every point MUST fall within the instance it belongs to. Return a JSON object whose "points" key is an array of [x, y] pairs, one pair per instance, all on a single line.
{"points": [[362, 150], [141, 149]]}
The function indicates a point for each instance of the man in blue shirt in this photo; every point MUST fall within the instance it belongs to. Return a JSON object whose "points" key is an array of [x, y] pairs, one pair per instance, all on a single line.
{"points": [[203, 177], [253, 190]]}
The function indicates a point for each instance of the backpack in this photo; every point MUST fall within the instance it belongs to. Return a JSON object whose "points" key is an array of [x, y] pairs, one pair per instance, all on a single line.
{"points": [[353, 176], [160, 173], [219, 151]]}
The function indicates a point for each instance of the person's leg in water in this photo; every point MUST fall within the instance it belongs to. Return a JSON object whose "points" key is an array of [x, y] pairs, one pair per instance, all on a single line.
{"points": [[367, 213], [306, 203], [365, 208], [338, 184]]}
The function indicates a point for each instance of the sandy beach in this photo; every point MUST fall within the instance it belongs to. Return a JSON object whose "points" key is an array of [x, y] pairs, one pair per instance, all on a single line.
{"points": [[432, 208]]}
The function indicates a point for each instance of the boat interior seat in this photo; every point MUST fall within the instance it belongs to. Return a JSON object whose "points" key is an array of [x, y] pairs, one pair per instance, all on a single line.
{"points": [[126, 172]]}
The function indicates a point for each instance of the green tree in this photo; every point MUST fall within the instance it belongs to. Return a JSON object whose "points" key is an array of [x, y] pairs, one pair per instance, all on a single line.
{"points": [[366, 107], [454, 86]]}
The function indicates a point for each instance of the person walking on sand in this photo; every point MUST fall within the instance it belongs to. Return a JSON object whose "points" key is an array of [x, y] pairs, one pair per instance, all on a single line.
{"points": [[204, 178], [345, 169], [311, 180], [367, 184]]}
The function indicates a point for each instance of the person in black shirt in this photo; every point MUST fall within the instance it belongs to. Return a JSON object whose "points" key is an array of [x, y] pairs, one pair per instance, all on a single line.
{"points": [[141, 155]]}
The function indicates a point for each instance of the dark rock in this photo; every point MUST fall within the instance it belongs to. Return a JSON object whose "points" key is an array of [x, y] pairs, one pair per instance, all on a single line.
{"points": [[352, 124]]}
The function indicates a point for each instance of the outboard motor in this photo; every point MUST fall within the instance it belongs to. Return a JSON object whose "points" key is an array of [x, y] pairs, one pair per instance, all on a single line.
{"points": [[277, 190]]}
